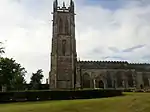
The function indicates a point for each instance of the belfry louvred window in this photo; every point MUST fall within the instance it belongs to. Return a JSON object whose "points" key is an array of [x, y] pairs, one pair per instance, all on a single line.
{"points": [[60, 25], [66, 27]]}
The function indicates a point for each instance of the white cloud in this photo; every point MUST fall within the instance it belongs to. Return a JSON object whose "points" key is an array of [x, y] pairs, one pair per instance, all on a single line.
{"points": [[26, 25], [121, 28], [28, 37]]}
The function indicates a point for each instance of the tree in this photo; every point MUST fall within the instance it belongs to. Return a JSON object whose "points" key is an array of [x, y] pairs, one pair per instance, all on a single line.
{"points": [[36, 79], [11, 74], [18, 83]]}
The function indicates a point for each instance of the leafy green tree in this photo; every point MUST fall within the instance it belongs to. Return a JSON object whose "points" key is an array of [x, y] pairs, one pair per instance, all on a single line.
{"points": [[18, 83], [11, 74], [36, 79]]}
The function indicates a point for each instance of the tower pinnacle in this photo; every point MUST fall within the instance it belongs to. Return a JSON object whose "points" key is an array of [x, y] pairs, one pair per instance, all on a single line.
{"points": [[71, 6], [55, 5], [71, 3], [64, 4]]}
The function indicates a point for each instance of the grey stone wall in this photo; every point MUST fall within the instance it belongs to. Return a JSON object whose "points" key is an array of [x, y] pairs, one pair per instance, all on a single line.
{"points": [[63, 53], [96, 75]]}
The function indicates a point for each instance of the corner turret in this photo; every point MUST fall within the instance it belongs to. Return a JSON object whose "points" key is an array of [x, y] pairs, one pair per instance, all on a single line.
{"points": [[55, 5], [71, 6]]}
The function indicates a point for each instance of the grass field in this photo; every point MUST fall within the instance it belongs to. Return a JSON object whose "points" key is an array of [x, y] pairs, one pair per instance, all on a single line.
{"points": [[131, 102]]}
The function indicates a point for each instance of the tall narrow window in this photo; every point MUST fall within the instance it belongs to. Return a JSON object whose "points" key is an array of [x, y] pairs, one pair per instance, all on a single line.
{"points": [[119, 79], [66, 27], [130, 79], [145, 80], [86, 80], [109, 81], [60, 25], [64, 47]]}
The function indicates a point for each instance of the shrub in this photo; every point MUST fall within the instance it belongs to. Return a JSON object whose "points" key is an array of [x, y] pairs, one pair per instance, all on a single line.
{"points": [[56, 95]]}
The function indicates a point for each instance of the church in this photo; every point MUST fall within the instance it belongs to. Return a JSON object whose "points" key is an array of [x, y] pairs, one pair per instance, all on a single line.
{"points": [[67, 72]]}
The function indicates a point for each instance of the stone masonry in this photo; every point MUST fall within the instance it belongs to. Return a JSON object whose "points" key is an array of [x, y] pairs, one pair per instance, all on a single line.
{"points": [[68, 73]]}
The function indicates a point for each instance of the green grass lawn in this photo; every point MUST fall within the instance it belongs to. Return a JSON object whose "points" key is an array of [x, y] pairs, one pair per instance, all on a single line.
{"points": [[132, 102]]}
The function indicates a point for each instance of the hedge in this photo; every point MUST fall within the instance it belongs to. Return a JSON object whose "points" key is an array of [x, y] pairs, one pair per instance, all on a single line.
{"points": [[56, 95]]}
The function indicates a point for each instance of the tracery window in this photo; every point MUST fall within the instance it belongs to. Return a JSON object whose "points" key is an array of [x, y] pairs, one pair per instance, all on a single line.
{"points": [[145, 79], [99, 83], [130, 79], [109, 81], [86, 80], [60, 25], [66, 27], [119, 79]]}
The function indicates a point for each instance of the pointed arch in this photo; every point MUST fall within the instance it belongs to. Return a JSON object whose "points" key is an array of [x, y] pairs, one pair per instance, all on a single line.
{"points": [[66, 26], [99, 81], [119, 79], [130, 79], [101, 84], [109, 80], [145, 80], [86, 80], [60, 26]]}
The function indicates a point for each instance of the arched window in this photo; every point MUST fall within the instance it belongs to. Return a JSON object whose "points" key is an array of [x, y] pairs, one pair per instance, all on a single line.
{"points": [[99, 83], [86, 80], [66, 27], [130, 79], [109, 81], [60, 25], [63, 47], [119, 79], [145, 80]]}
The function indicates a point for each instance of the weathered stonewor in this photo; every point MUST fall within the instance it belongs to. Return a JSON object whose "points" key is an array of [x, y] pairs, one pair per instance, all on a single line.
{"points": [[68, 73]]}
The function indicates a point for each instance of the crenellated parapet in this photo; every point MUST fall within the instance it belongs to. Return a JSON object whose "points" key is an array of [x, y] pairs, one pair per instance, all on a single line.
{"points": [[110, 62], [102, 64], [140, 66], [63, 8], [113, 65]]}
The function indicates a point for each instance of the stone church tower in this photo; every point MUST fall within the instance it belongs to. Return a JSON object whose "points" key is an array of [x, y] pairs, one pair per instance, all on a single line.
{"points": [[63, 52]]}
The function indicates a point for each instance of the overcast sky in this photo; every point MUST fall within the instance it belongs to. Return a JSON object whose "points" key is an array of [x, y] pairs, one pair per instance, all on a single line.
{"points": [[105, 30]]}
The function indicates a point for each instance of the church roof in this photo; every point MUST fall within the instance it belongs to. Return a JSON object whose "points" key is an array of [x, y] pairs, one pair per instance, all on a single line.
{"points": [[113, 65]]}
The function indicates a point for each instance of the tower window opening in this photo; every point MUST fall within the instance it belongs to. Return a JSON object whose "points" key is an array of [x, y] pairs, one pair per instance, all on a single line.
{"points": [[63, 47], [66, 27], [60, 25]]}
